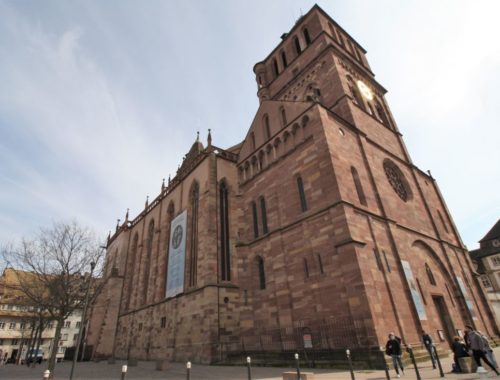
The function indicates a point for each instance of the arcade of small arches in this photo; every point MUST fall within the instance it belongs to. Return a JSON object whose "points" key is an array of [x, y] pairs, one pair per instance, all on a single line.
{"points": [[283, 143]]}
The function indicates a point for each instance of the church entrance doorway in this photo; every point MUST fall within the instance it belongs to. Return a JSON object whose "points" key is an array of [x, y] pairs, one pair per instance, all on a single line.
{"points": [[444, 317]]}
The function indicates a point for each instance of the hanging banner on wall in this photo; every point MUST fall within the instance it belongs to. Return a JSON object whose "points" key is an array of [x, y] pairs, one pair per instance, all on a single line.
{"points": [[176, 256], [415, 294], [468, 301]]}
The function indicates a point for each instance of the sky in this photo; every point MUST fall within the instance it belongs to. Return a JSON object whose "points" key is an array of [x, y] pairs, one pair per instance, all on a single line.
{"points": [[100, 100]]}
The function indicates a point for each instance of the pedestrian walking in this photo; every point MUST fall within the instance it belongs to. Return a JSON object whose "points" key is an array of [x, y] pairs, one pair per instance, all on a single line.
{"points": [[478, 347], [459, 351], [429, 346], [393, 349], [489, 350]]}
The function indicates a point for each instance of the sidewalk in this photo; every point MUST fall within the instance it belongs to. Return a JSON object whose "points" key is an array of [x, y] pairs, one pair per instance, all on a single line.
{"points": [[146, 371]]}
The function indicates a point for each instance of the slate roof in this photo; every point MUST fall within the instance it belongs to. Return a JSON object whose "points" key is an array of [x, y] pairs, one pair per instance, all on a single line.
{"points": [[493, 233]]}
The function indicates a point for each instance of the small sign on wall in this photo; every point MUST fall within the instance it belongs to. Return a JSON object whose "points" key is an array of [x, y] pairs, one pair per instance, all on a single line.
{"points": [[441, 335], [307, 341]]}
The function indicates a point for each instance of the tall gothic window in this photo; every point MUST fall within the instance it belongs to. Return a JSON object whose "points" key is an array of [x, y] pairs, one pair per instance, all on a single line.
{"points": [[224, 233], [306, 268], [267, 127], [432, 280], [320, 263], [275, 68], [133, 262], [302, 194], [283, 59], [283, 117], [307, 37], [147, 265], [255, 221], [262, 272], [381, 113], [357, 184], [263, 213], [296, 42], [193, 262], [252, 136], [170, 217]]}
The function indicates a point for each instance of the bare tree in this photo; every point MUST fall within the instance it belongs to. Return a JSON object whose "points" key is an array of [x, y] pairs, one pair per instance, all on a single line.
{"points": [[52, 272]]}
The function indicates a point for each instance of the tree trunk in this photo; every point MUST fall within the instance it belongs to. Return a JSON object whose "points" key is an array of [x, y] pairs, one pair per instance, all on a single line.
{"points": [[31, 346], [55, 347], [38, 342]]}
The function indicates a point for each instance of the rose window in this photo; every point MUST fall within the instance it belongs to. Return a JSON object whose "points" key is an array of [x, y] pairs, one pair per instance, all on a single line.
{"points": [[397, 180]]}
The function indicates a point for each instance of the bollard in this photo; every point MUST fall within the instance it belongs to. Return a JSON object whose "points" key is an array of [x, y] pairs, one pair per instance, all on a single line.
{"points": [[441, 373], [46, 374], [410, 351], [249, 361], [348, 353], [297, 365], [386, 367], [188, 370], [124, 371]]}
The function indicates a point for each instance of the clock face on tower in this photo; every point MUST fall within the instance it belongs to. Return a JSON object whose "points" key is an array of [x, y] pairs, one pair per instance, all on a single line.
{"points": [[365, 90], [177, 237]]}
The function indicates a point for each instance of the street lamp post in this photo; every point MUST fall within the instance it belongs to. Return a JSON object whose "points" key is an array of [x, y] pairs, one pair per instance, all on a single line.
{"points": [[80, 329]]}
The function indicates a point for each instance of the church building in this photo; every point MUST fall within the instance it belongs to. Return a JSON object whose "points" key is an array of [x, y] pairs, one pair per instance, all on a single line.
{"points": [[315, 233]]}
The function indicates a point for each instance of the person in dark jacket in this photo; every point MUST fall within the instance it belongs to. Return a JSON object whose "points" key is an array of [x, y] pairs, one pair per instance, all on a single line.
{"points": [[459, 351], [478, 347], [429, 346], [393, 349]]}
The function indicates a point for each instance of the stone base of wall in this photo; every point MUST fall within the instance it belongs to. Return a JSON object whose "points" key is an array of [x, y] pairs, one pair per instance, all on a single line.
{"points": [[362, 358]]}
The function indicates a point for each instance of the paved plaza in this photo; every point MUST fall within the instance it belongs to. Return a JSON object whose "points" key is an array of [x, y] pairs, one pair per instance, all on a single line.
{"points": [[146, 371]]}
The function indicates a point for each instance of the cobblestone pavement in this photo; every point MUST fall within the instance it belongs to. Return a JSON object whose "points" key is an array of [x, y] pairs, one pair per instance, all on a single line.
{"points": [[146, 371]]}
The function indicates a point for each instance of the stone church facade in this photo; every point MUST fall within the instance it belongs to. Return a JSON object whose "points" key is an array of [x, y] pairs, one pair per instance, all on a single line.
{"points": [[317, 231]]}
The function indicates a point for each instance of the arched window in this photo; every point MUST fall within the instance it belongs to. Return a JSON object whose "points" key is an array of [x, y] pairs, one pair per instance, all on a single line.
{"points": [[357, 184], [252, 138], [193, 254], [255, 221], [263, 213], [147, 264], [283, 59], [262, 272], [302, 195], [320, 263], [283, 117], [275, 67], [381, 113], [296, 43], [133, 255], [370, 109], [307, 38], [267, 127], [170, 217], [224, 233], [432, 280]]}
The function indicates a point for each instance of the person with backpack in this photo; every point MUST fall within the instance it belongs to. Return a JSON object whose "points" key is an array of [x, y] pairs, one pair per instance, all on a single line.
{"points": [[393, 349], [478, 347], [489, 350], [459, 351], [429, 346]]}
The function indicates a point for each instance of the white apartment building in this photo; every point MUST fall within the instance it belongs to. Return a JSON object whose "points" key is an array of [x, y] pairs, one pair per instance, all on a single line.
{"points": [[16, 328]]}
